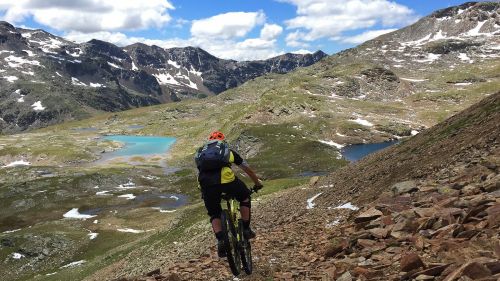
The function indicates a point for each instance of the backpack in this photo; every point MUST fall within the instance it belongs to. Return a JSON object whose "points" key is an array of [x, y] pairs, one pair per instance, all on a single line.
{"points": [[212, 156]]}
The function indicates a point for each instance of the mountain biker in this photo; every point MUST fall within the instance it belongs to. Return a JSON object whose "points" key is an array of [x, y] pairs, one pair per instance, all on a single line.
{"points": [[215, 180]]}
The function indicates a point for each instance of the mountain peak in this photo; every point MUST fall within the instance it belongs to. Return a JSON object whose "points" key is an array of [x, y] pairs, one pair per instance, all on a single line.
{"points": [[5, 24]]}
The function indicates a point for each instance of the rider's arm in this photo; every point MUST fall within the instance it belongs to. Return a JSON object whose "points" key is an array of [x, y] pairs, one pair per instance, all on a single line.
{"points": [[251, 174], [244, 166]]}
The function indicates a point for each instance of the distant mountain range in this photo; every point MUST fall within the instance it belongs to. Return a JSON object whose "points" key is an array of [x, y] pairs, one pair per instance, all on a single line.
{"points": [[45, 79], [402, 62]]}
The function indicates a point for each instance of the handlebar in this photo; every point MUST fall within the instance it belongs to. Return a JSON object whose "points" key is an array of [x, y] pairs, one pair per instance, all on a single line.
{"points": [[256, 188]]}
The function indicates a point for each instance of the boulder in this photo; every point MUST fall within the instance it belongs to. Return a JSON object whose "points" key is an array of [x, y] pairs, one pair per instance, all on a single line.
{"points": [[410, 261], [153, 272], [404, 187], [493, 215], [345, 277], [472, 269], [313, 181], [379, 232], [368, 215], [435, 270]]}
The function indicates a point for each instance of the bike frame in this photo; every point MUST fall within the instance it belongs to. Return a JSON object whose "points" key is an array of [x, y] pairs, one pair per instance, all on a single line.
{"points": [[232, 226], [233, 209]]}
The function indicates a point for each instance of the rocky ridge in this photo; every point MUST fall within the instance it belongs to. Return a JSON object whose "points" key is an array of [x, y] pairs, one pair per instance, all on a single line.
{"points": [[403, 61], [37, 67], [435, 217]]}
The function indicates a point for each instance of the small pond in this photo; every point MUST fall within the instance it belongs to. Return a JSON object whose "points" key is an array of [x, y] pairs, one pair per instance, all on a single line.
{"points": [[355, 152], [140, 145]]}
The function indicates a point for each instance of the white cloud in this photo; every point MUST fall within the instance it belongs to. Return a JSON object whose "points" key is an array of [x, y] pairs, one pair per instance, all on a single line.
{"points": [[270, 31], [228, 25], [294, 39], [249, 49], [318, 19], [121, 39], [365, 36], [256, 43], [89, 16]]}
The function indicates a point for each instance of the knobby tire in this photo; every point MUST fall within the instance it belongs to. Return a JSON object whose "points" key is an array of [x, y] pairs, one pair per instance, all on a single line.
{"points": [[231, 243], [245, 250]]}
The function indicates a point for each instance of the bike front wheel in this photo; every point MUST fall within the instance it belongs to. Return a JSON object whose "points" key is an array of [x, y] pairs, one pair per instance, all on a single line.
{"points": [[231, 243], [245, 250]]}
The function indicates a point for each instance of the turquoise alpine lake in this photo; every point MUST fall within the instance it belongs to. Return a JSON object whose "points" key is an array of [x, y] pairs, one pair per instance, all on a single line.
{"points": [[355, 152], [140, 145]]}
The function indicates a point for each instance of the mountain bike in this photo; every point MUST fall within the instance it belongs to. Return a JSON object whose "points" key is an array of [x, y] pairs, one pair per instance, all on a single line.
{"points": [[238, 248]]}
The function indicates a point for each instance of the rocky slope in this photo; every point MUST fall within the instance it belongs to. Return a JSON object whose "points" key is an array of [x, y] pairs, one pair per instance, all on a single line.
{"points": [[429, 210], [71, 81]]}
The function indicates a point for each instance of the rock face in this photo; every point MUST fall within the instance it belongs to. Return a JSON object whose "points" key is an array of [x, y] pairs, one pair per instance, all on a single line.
{"points": [[71, 81]]}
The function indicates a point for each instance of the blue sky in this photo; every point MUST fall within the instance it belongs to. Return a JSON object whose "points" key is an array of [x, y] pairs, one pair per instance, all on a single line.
{"points": [[231, 29]]}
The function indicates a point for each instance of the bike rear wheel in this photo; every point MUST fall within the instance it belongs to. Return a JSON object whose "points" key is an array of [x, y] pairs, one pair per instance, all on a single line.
{"points": [[231, 243], [245, 250]]}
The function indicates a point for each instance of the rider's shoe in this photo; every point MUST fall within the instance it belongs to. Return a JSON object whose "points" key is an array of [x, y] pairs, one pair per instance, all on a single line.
{"points": [[221, 249], [248, 233]]}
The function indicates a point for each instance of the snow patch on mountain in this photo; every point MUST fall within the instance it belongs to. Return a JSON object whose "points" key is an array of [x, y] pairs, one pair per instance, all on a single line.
{"points": [[49, 45], [11, 79], [17, 163], [362, 122], [96, 85], [129, 196], [74, 214], [17, 256], [430, 58], [78, 52], [134, 67], [439, 35], [130, 230], [114, 65], [413, 79], [101, 193], [17, 62], [464, 57], [475, 30], [77, 82], [166, 79], [74, 264], [30, 73], [310, 201], [30, 53], [173, 63], [332, 143], [347, 205]]}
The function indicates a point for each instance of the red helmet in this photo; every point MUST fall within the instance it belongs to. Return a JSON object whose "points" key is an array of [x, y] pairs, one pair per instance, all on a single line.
{"points": [[216, 135]]}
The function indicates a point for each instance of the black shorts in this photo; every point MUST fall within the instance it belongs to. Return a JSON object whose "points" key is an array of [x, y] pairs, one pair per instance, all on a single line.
{"points": [[212, 195]]}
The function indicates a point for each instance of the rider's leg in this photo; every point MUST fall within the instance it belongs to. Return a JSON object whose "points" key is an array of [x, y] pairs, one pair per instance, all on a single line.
{"points": [[216, 225], [212, 203], [245, 211], [211, 198]]}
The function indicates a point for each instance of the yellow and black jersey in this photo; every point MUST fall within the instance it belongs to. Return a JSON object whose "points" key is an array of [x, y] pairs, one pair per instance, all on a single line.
{"points": [[223, 175]]}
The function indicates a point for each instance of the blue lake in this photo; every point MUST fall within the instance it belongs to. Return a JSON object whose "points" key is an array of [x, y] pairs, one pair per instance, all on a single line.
{"points": [[140, 145], [355, 152]]}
